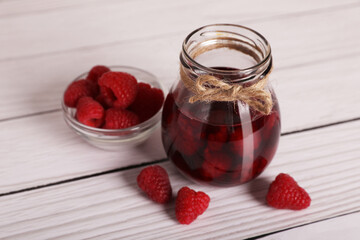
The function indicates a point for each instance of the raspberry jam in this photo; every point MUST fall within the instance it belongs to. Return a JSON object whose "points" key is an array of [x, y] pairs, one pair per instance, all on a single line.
{"points": [[221, 143], [223, 151]]}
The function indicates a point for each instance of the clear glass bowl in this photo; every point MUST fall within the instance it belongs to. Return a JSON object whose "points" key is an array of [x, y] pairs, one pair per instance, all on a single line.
{"points": [[116, 139]]}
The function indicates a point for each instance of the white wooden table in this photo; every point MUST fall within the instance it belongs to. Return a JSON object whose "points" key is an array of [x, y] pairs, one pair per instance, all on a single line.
{"points": [[54, 185]]}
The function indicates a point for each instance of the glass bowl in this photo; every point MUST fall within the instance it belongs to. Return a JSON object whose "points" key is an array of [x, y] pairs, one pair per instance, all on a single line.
{"points": [[115, 139]]}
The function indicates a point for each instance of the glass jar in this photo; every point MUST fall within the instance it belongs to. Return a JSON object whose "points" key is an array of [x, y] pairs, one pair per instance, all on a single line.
{"points": [[214, 139]]}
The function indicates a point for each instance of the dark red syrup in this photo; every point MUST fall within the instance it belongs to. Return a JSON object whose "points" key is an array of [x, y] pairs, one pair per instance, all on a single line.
{"points": [[219, 147]]}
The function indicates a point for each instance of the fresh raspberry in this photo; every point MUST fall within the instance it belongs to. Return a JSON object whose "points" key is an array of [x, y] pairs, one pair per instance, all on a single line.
{"points": [[78, 89], [123, 86], [190, 204], [285, 193], [154, 181], [89, 112], [96, 72], [116, 118], [147, 102], [106, 97]]}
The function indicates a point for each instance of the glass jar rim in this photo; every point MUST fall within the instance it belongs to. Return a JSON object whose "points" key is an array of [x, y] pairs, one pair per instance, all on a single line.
{"points": [[265, 59]]}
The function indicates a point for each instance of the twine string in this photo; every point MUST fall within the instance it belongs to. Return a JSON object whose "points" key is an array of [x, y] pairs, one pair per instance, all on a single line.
{"points": [[208, 88]]}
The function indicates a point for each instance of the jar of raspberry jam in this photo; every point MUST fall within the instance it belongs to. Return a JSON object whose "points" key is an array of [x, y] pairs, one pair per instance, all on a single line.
{"points": [[221, 120]]}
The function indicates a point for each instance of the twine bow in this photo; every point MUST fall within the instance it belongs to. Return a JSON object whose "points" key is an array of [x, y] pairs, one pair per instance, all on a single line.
{"points": [[209, 88]]}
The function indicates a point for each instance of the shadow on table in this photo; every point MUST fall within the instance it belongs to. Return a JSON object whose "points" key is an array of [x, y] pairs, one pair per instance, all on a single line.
{"points": [[258, 189]]}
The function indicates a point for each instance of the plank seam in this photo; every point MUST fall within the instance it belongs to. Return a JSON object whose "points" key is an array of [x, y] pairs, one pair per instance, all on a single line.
{"points": [[153, 162], [30, 115], [321, 126], [304, 64], [83, 177], [301, 225]]}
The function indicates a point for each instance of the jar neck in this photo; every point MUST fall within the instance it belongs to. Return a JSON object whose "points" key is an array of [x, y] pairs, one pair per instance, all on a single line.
{"points": [[232, 53]]}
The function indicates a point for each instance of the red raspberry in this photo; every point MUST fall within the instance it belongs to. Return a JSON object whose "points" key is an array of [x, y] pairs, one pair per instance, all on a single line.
{"points": [[106, 97], [217, 138], [154, 181], [78, 89], [188, 131], [218, 114], [237, 175], [116, 118], [89, 112], [190, 204], [272, 123], [285, 193], [236, 141], [123, 86], [147, 102], [186, 144], [96, 72], [260, 163], [215, 164]]}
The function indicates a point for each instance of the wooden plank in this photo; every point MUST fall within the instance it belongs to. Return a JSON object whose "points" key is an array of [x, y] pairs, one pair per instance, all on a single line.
{"points": [[11, 8], [80, 24], [16, 8], [309, 95], [345, 227], [112, 207], [42, 135], [302, 47], [48, 151]]}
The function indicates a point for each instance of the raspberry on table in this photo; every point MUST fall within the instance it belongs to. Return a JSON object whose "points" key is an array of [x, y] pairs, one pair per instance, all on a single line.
{"points": [[285, 193], [78, 89], [190, 204], [96, 72], [89, 112], [154, 181], [123, 86], [147, 102], [116, 118]]}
